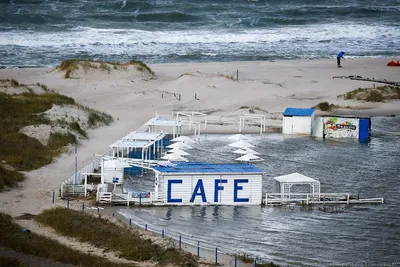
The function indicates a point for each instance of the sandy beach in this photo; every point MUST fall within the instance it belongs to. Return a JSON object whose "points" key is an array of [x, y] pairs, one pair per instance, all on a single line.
{"points": [[265, 87]]}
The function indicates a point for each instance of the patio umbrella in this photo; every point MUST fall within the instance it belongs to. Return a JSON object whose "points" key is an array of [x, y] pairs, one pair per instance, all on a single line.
{"points": [[177, 151], [173, 157], [179, 145], [238, 137], [249, 157], [241, 144]]}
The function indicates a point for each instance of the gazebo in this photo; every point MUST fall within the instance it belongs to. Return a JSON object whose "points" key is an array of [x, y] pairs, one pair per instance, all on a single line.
{"points": [[286, 182]]}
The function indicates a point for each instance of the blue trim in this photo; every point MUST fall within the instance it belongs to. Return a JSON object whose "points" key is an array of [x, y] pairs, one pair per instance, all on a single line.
{"points": [[204, 167], [298, 112]]}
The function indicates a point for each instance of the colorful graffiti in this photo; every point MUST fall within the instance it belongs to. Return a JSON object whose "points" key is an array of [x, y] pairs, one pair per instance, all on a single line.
{"points": [[340, 127]]}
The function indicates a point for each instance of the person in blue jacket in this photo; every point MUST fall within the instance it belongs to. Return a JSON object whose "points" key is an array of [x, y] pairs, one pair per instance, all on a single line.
{"points": [[339, 56]]}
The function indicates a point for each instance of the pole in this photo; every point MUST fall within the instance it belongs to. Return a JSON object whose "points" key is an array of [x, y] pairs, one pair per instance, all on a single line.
{"points": [[216, 256], [145, 228], [237, 75], [180, 241], [83, 206], [53, 197], [235, 261], [67, 203], [76, 162], [130, 222], [198, 248], [255, 262], [162, 233]]}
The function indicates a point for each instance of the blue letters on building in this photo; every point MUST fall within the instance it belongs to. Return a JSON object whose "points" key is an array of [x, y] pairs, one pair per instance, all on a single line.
{"points": [[199, 186], [236, 188], [169, 198], [217, 188]]}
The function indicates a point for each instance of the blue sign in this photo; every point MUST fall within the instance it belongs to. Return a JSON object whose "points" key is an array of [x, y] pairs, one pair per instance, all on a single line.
{"points": [[199, 191], [115, 180]]}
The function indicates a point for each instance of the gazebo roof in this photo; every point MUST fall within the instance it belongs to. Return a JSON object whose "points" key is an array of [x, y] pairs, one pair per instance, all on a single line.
{"points": [[295, 178]]}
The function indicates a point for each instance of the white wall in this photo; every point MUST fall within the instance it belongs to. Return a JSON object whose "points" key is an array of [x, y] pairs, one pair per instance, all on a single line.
{"points": [[297, 125], [113, 169], [318, 127], [182, 189]]}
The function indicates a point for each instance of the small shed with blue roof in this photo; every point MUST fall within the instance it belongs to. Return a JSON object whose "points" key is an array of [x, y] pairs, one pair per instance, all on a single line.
{"points": [[298, 121], [191, 183]]}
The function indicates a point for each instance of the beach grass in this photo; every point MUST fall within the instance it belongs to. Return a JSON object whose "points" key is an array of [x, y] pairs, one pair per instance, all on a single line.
{"points": [[9, 178], [37, 245], [102, 233], [69, 66], [19, 152], [378, 94]]}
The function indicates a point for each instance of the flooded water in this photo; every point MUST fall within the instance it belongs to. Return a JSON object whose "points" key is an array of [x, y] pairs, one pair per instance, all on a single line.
{"points": [[292, 235]]}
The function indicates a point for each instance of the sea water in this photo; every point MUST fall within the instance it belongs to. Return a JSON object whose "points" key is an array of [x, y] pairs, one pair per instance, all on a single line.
{"points": [[293, 235], [44, 32]]}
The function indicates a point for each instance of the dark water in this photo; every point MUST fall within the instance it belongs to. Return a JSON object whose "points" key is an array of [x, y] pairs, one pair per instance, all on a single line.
{"points": [[304, 236], [43, 32]]}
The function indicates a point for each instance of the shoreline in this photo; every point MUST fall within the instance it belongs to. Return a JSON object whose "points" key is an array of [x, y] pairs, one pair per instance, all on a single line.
{"points": [[331, 58]]}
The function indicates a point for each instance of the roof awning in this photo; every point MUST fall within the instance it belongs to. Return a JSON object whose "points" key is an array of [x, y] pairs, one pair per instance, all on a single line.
{"points": [[295, 178]]}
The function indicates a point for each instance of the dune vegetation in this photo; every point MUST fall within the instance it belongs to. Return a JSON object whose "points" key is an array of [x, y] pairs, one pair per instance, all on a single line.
{"points": [[71, 65], [99, 232], [14, 238], [20, 152], [378, 94]]}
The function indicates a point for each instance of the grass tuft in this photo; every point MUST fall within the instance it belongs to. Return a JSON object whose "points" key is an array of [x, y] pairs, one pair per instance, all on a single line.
{"points": [[14, 83], [34, 244], [102, 233], [325, 106], [74, 126]]}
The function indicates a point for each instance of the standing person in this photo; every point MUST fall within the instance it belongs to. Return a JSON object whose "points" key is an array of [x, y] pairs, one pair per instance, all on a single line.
{"points": [[339, 56]]}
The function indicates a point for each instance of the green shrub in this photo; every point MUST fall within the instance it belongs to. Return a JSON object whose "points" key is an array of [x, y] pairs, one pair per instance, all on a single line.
{"points": [[325, 106]]}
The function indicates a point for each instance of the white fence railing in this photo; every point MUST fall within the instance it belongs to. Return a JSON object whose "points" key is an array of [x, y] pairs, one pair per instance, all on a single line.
{"points": [[322, 198], [72, 187]]}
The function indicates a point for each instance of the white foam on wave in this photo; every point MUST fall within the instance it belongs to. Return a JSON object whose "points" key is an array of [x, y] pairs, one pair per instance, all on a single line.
{"points": [[92, 36]]}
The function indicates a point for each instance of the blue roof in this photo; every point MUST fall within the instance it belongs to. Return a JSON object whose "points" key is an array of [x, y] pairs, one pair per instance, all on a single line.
{"points": [[204, 167], [298, 112]]}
